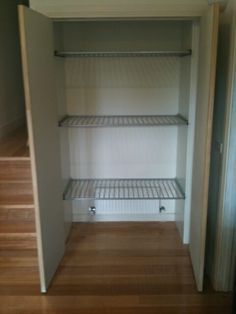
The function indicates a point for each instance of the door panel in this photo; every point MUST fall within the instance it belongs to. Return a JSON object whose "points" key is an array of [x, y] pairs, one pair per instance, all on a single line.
{"points": [[202, 144], [36, 34]]}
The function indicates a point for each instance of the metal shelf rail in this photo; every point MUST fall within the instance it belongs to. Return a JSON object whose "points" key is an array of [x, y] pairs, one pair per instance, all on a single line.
{"points": [[95, 54], [122, 121], [123, 189]]}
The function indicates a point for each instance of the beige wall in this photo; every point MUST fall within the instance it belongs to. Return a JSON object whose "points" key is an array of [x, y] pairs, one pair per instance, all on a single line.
{"points": [[11, 90]]}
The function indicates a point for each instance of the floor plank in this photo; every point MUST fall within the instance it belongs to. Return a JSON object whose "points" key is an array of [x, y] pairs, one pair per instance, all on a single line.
{"points": [[15, 170], [15, 144], [16, 193]]}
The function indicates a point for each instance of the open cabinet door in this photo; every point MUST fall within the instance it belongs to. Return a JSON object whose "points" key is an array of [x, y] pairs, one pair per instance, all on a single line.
{"points": [[36, 35], [202, 144]]}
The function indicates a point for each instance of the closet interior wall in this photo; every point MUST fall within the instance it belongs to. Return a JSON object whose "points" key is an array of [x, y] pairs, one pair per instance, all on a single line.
{"points": [[121, 85], [185, 140], [64, 133]]}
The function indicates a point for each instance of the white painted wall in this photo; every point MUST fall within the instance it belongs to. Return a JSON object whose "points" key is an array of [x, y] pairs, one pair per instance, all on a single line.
{"points": [[12, 111], [185, 146], [59, 65], [182, 137]]}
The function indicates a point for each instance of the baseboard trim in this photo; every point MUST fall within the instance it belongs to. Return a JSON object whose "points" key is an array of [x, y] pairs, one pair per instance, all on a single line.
{"points": [[117, 217]]}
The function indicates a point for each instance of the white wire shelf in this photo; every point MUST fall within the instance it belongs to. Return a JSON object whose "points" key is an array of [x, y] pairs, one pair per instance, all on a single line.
{"points": [[122, 121], [123, 189], [89, 54]]}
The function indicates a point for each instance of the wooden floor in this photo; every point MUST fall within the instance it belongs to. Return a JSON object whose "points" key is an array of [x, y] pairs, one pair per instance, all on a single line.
{"points": [[15, 144], [115, 268]]}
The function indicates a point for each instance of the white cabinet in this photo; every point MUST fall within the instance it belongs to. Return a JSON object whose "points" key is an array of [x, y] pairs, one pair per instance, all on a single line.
{"points": [[119, 115]]}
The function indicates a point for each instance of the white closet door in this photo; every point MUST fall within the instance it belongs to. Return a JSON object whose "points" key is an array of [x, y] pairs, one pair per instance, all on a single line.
{"points": [[36, 34], [204, 117]]}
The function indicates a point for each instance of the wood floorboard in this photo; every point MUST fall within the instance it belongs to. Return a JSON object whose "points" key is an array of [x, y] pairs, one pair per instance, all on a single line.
{"points": [[15, 144], [126, 270], [17, 227], [15, 170], [18, 215], [138, 310], [17, 242], [108, 268], [115, 304], [15, 193]]}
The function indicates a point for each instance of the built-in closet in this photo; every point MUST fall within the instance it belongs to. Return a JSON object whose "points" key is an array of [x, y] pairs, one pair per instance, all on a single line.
{"points": [[119, 114]]}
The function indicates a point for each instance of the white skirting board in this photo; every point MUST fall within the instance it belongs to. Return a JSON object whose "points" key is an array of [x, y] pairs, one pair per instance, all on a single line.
{"points": [[124, 210], [103, 218]]}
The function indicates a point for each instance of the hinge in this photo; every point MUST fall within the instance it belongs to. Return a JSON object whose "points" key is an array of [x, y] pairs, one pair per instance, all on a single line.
{"points": [[219, 147]]}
